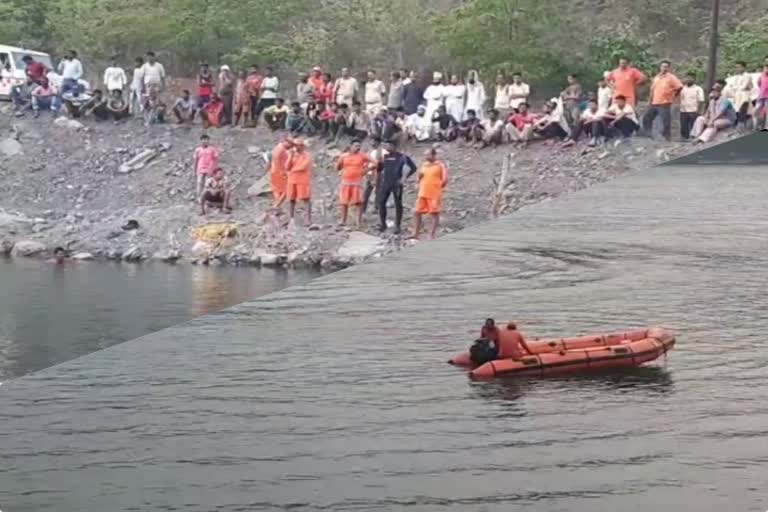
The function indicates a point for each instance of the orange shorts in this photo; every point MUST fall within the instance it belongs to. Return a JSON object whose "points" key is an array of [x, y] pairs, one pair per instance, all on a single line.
{"points": [[427, 205], [278, 186], [298, 192], [351, 194]]}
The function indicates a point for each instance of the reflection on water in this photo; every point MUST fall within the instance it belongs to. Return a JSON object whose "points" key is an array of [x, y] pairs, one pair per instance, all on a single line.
{"points": [[335, 396], [52, 313], [647, 379]]}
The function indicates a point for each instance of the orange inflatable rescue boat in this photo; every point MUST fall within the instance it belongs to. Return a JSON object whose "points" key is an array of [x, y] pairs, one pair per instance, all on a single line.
{"points": [[559, 356]]}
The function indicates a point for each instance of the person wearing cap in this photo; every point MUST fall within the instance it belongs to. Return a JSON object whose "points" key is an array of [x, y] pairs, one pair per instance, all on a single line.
{"points": [[299, 181], [418, 126], [346, 88], [115, 78], [375, 92], [434, 95], [278, 170], [317, 80], [433, 177], [226, 93]]}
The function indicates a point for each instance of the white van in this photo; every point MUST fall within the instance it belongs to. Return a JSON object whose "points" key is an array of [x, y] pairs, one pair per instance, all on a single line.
{"points": [[13, 69]]}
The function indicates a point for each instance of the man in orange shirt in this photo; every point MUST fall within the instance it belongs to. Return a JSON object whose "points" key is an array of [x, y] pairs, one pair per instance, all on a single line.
{"points": [[625, 80], [664, 90], [352, 167], [299, 183], [253, 85], [278, 170], [318, 81], [433, 177]]}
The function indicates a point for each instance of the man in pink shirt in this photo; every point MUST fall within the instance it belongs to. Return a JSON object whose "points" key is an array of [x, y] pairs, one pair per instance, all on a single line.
{"points": [[205, 161]]}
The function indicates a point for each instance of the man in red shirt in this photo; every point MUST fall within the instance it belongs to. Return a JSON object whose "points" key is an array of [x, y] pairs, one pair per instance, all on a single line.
{"points": [[35, 70], [253, 84], [520, 124]]}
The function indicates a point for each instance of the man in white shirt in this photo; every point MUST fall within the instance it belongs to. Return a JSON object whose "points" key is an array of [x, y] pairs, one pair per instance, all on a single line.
{"points": [[518, 91], [346, 88], [374, 94], [621, 118], [137, 87], [738, 89], [71, 71], [604, 95], [115, 78], [154, 74], [691, 100], [270, 88], [501, 98]]}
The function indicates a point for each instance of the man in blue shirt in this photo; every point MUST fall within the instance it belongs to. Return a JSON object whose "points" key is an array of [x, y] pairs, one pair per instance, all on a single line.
{"points": [[390, 182]]}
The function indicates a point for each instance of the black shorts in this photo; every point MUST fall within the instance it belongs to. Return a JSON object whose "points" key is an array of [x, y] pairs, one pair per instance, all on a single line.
{"points": [[213, 197]]}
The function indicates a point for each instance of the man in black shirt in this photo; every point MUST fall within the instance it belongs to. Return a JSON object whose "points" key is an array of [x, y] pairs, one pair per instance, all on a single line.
{"points": [[390, 181]]}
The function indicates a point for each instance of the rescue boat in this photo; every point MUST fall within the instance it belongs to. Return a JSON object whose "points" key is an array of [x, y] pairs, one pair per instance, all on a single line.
{"points": [[582, 354]]}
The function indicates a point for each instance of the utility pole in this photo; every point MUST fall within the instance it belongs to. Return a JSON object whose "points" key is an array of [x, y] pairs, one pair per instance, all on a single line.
{"points": [[713, 44]]}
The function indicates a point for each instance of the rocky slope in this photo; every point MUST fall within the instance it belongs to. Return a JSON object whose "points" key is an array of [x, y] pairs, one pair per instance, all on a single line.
{"points": [[77, 186]]}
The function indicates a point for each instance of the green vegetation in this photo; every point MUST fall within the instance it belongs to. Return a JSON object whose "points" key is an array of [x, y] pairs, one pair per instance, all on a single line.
{"points": [[545, 39]]}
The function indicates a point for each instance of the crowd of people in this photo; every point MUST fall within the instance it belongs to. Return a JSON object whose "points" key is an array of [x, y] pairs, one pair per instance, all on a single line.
{"points": [[406, 108], [347, 111], [384, 171]]}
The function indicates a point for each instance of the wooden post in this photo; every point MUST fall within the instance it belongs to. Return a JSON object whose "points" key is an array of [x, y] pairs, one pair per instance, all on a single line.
{"points": [[713, 44]]}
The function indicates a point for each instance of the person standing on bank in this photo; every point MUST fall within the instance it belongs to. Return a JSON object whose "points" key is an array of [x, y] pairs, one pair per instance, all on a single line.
{"points": [[665, 88], [390, 182], [433, 177]]}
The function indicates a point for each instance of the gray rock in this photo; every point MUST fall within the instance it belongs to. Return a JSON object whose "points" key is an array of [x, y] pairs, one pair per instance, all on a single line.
{"points": [[138, 162], [253, 150], [133, 254], [83, 256], [359, 246], [69, 124], [169, 256], [6, 246], [262, 187], [10, 147], [27, 248]]}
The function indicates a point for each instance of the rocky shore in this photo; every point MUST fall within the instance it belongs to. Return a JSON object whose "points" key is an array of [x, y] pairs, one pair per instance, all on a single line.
{"points": [[125, 192]]}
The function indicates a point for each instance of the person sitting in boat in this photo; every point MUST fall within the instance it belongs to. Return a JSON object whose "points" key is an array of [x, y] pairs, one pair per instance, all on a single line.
{"points": [[490, 331], [483, 350]]}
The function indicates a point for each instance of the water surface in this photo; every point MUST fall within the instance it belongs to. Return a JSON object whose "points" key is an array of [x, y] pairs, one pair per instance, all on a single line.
{"points": [[335, 395], [53, 313]]}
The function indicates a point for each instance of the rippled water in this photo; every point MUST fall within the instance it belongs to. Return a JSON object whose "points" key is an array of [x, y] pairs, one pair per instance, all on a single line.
{"points": [[50, 313], [336, 396]]}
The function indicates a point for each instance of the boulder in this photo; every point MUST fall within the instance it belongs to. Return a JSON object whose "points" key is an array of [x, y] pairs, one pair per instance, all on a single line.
{"points": [[83, 256], [359, 245], [169, 256], [138, 162], [262, 187], [27, 248], [202, 248], [6, 246], [10, 147], [133, 254], [70, 124], [266, 259]]}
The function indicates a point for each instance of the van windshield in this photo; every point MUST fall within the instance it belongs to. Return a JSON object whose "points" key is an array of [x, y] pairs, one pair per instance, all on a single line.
{"points": [[21, 65]]}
